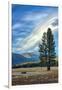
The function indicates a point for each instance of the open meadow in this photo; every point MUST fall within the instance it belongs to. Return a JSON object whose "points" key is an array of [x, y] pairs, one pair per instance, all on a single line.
{"points": [[34, 75]]}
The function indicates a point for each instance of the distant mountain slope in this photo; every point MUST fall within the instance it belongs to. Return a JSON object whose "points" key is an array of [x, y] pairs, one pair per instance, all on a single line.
{"points": [[18, 59], [27, 55]]}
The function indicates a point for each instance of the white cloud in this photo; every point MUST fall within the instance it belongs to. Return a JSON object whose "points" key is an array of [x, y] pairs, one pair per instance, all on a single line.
{"points": [[31, 16], [17, 25]]}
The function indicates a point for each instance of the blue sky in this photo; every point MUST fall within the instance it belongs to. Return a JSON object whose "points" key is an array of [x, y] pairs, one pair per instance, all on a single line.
{"points": [[28, 24]]}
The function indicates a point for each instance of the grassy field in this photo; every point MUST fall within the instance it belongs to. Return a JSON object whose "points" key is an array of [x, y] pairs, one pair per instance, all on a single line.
{"points": [[37, 75]]}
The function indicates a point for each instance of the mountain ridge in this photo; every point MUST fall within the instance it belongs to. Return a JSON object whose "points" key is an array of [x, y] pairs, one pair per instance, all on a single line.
{"points": [[20, 58]]}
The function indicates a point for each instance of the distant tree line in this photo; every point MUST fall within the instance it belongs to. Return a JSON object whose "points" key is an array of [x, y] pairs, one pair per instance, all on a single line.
{"points": [[28, 65]]}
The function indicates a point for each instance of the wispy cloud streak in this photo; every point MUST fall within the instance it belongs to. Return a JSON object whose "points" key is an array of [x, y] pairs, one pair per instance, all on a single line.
{"points": [[33, 39]]}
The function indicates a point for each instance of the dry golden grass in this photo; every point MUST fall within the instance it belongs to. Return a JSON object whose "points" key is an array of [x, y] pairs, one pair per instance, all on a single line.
{"points": [[33, 69], [34, 75]]}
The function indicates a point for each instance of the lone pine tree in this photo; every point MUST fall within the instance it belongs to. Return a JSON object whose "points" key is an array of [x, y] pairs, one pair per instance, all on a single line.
{"points": [[47, 48], [50, 47]]}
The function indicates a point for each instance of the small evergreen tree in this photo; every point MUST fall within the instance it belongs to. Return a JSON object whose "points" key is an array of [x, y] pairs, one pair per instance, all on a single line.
{"points": [[43, 49]]}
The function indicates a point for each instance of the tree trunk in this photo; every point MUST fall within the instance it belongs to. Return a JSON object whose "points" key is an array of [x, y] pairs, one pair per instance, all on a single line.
{"points": [[48, 66]]}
